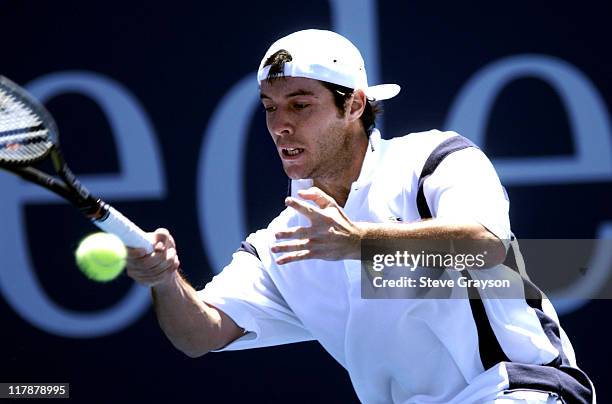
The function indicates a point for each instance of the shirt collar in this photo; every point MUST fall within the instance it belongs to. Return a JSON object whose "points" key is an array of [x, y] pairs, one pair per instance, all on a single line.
{"points": [[367, 167]]}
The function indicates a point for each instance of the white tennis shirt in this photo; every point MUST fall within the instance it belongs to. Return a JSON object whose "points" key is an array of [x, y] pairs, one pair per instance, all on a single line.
{"points": [[395, 350]]}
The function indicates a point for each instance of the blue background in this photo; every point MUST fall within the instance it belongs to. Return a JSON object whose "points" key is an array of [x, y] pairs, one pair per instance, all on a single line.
{"points": [[179, 60]]}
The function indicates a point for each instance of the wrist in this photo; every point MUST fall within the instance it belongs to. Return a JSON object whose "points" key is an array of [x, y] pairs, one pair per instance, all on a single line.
{"points": [[364, 230], [170, 281], [359, 234]]}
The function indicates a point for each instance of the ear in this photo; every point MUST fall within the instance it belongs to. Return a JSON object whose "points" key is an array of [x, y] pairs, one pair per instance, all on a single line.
{"points": [[357, 106]]}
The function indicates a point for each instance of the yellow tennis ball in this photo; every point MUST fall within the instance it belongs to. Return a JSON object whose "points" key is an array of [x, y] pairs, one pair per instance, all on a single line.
{"points": [[101, 256]]}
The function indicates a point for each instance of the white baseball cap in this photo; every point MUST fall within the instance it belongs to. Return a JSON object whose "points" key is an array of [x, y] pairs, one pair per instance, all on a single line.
{"points": [[326, 56]]}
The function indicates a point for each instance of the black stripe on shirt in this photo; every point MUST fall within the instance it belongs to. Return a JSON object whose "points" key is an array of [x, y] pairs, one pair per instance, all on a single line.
{"points": [[441, 151], [571, 384], [249, 248]]}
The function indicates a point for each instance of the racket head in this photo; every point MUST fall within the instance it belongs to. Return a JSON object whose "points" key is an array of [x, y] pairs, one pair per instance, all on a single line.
{"points": [[27, 130]]}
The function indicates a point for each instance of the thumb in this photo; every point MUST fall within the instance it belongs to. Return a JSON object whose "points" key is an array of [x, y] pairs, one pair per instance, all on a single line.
{"points": [[317, 196]]}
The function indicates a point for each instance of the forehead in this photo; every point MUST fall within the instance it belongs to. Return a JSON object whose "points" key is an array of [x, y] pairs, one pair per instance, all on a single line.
{"points": [[287, 87]]}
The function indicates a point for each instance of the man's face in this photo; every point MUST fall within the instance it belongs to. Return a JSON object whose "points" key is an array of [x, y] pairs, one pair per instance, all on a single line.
{"points": [[309, 132]]}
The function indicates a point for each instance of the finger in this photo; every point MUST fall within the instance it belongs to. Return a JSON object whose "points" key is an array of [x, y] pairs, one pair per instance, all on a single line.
{"points": [[163, 236], [133, 253], [152, 260], [168, 261], [158, 267], [302, 207], [290, 246], [294, 233], [144, 262], [157, 263], [317, 196], [167, 236], [153, 266], [150, 278], [297, 256], [156, 243]]}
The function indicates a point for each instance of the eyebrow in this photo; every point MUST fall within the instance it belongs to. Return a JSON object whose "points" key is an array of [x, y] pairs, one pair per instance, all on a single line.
{"points": [[293, 94]]}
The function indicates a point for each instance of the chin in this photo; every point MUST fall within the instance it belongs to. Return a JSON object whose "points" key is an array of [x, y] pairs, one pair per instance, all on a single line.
{"points": [[295, 173], [294, 176]]}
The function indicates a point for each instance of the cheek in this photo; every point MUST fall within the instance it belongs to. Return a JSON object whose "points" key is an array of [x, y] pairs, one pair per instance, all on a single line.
{"points": [[269, 123], [269, 127], [322, 123]]}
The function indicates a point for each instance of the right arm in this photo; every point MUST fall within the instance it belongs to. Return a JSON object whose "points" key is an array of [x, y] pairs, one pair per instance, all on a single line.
{"points": [[192, 326]]}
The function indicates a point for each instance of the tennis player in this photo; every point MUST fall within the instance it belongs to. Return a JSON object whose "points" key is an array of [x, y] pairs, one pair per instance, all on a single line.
{"points": [[299, 279]]}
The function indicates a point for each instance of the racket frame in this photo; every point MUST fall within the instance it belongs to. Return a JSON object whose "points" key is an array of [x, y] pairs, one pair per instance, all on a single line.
{"points": [[67, 185]]}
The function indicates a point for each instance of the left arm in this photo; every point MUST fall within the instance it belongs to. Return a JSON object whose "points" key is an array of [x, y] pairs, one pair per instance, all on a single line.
{"points": [[333, 236]]}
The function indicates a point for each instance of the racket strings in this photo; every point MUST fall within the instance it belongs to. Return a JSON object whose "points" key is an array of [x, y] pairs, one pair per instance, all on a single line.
{"points": [[15, 115], [23, 136], [28, 137], [24, 147]]}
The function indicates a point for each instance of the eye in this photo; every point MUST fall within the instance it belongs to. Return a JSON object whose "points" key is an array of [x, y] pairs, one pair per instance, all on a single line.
{"points": [[269, 109], [300, 106]]}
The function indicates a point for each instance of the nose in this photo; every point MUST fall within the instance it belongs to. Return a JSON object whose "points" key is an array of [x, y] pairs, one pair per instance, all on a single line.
{"points": [[279, 124]]}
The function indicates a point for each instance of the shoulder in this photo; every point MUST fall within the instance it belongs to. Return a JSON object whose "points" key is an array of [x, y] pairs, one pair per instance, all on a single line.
{"points": [[421, 141], [288, 217], [410, 151], [264, 237]]}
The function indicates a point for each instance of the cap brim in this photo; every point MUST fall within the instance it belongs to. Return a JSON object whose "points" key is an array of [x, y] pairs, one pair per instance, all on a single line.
{"points": [[382, 92]]}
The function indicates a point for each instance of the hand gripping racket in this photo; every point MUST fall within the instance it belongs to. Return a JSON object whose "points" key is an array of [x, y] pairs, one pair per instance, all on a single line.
{"points": [[28, 135]]}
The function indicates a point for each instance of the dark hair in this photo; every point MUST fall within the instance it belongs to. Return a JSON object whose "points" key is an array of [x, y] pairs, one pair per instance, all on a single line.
{"points": [[277, 61], [341, 94]]}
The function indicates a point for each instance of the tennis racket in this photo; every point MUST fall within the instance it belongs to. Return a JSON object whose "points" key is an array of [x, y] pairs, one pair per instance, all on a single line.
{"points": [[29, 135]]}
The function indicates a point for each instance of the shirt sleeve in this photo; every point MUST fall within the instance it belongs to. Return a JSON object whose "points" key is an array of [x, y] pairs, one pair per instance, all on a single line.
{"points": [[245, 292], [465, 185]]}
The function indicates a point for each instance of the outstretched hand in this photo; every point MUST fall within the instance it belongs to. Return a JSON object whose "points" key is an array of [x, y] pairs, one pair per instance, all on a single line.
{"points": [[157, 267], [331, 236]]}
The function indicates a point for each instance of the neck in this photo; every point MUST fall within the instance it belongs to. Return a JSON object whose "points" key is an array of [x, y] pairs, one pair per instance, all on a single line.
{"points": [[338, 185]]}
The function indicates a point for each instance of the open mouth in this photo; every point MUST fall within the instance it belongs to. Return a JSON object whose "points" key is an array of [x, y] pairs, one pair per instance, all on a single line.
{"points": [[292, 152]]}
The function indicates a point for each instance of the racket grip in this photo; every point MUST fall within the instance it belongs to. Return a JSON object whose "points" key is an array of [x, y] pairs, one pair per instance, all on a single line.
{"points": [[119, 225]]}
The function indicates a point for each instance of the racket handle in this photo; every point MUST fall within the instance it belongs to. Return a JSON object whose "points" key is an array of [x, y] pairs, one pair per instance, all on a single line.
{"points": [[119, 225]]}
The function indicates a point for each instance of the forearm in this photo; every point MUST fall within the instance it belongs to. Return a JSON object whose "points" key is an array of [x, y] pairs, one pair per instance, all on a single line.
{"points": [[466, 237], [192, 326], [437, 229]]}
